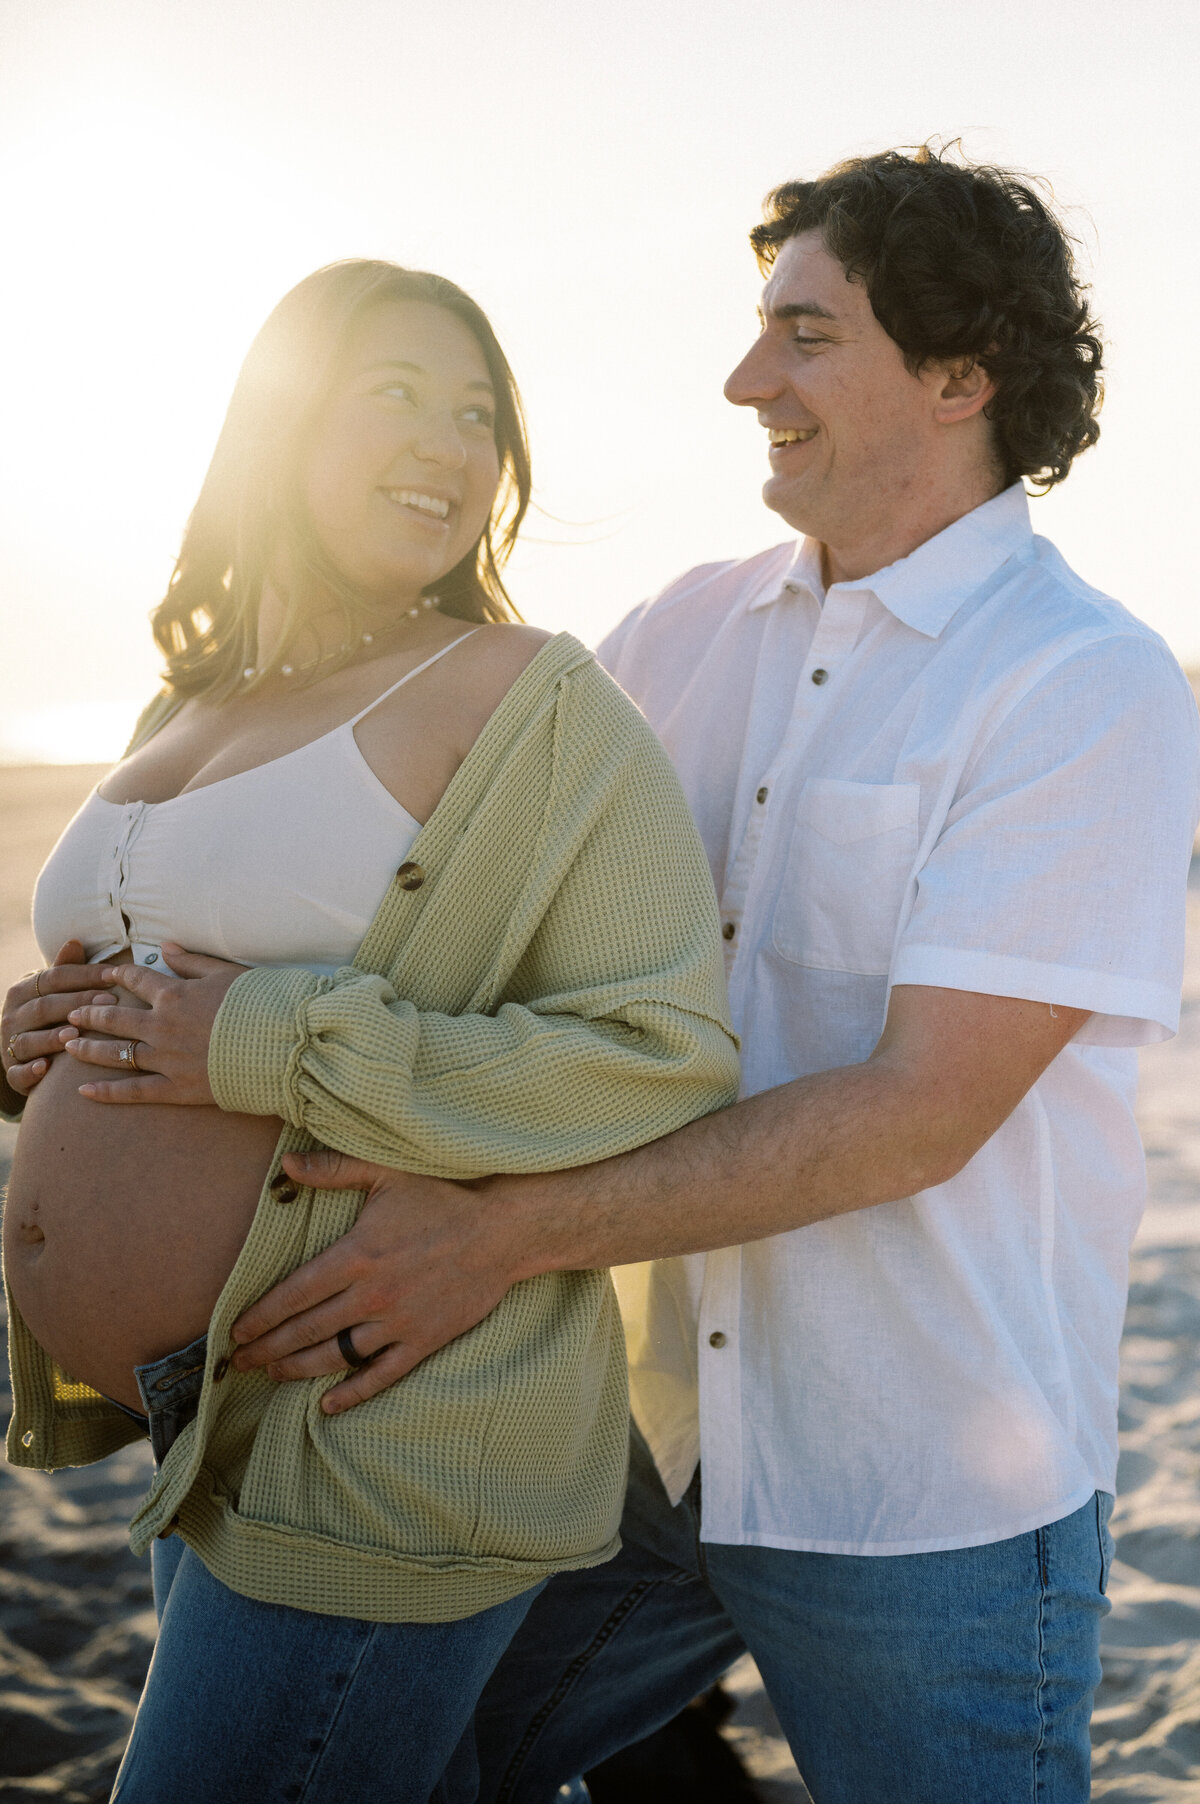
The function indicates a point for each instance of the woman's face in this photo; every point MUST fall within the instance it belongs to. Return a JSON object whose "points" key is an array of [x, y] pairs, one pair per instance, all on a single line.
{"points": [[403, 467]]}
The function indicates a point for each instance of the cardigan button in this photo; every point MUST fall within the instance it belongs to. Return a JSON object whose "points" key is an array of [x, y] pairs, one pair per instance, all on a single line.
{"points": [[219, 1370], [410, 876], [283, 1188]]}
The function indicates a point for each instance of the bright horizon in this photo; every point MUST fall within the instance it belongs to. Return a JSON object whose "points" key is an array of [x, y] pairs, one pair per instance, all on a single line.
{"points": [[590, 176]]}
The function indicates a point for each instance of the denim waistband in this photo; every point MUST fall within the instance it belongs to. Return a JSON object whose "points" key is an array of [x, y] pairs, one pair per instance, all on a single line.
{"points": [[170, 1389]]}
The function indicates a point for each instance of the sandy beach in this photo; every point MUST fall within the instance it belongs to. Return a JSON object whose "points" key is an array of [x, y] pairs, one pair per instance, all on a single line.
{"points": [[76, 1624]]}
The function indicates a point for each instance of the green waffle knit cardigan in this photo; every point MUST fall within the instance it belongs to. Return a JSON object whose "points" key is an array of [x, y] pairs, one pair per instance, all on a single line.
{"points": [[541, 987]]}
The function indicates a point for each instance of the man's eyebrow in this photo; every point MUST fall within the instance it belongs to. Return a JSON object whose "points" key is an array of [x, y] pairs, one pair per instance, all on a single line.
{"points": [[416, 369], [799, 310]]}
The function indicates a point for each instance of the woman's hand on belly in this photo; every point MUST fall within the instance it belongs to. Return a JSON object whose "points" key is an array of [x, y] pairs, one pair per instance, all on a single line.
{"points": [[33, 1025], [165, 1040]]}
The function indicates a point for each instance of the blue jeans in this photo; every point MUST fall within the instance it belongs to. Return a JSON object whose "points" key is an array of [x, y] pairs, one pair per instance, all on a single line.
{"points": [[170, 1391], [932, 1678], [252, 1703]]}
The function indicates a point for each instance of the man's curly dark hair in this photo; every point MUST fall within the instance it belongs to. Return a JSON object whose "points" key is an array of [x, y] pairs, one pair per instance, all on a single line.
{"points": [[963, 261]]}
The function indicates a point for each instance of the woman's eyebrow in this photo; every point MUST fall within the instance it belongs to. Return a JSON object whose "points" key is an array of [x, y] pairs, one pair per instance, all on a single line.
{"points": [[416, 369]]}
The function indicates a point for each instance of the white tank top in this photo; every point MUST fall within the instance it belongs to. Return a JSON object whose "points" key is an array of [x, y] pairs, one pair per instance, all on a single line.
{"points": [[283, 864]]}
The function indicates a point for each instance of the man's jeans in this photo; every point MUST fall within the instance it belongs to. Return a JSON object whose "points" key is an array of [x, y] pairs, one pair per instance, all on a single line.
{"points": [[963, 1677]]}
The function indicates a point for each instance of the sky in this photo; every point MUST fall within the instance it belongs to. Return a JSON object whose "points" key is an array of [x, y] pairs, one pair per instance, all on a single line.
{"points": [[168, 168]]}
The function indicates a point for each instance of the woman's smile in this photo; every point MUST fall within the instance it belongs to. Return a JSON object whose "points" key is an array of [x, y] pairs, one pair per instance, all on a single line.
{"points": [[431, 510]]}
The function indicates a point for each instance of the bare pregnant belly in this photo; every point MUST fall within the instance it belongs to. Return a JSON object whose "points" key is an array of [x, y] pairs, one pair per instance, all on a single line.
{"points": [[123, 1223]]}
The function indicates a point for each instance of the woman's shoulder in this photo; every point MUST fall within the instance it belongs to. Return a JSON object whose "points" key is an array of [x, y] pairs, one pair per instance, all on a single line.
{"points": [[525, 668], [507, 648], [518, 667]]}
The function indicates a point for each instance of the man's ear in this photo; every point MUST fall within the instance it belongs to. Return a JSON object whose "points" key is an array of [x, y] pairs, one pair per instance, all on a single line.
{"points": [[962, 388]]}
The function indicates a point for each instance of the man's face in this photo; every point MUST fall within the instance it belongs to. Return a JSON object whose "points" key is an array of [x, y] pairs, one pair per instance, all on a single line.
{"points": [[853, 438]]}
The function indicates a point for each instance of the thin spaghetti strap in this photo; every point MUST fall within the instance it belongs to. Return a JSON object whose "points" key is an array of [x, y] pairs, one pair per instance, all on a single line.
{"points": [[408, 677]]}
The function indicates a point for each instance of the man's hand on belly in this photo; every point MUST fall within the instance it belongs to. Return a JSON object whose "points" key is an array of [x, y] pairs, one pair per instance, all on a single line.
{"points": [[420, 1267], [165, 1040]]}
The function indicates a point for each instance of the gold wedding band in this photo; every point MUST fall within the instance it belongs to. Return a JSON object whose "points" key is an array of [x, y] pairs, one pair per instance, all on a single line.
{"points": [[11, 1049], [37, 982], [128, 1054]]}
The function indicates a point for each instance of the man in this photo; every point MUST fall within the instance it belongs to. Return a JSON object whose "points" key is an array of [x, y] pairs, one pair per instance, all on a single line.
{"points": [[948, 793]]}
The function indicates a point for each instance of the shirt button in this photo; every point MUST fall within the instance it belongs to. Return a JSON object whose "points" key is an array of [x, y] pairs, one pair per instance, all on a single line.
{"points": [[219, 1370], [283, 1188], [728, 930], [410, 876], [152, 958], [716, 1338], [820, 676], [762, 795]]}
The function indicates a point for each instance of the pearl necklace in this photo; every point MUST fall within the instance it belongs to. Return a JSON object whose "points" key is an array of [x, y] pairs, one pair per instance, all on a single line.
{"points": [[287, 670]]}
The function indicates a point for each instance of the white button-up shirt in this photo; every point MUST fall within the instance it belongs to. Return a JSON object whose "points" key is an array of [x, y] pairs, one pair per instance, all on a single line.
{"points": [[971, 771]]}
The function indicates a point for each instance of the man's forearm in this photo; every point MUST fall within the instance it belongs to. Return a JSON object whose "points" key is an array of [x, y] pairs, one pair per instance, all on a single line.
{"points": [[428, 1258], [793, 1155], [949, 1068]]}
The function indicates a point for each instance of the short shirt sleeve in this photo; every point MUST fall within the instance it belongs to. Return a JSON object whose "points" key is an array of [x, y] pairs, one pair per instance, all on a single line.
{"points": [[1060, 873]]}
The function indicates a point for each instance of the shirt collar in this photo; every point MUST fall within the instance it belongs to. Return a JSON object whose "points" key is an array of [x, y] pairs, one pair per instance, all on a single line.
{"points": [[925, 589]]}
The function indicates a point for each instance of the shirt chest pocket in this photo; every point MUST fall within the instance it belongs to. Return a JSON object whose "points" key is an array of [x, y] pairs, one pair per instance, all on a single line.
{"points": [[848, 866]]}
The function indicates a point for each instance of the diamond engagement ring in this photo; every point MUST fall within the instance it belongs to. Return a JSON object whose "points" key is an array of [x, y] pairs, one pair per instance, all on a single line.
{"points": [[128, 1054]]}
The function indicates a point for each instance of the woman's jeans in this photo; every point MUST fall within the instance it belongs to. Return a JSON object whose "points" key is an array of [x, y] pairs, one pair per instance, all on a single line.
{"points": [[963, 1677], [170, 1391], [253, 1703]]}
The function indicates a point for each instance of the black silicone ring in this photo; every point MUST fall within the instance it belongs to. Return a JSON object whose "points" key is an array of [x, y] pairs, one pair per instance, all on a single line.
{"points": [[353, 1358]]}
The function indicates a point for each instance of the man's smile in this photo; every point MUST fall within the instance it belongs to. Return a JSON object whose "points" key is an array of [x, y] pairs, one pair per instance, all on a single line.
{"points": [[790, 435]]}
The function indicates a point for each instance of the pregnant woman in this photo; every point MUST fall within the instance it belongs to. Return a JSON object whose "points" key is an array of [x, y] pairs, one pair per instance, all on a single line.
{"points": [[385, 871]]}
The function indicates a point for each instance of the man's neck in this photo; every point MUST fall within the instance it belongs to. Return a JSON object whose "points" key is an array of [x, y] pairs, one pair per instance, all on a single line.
{"points": [[865, 553]]}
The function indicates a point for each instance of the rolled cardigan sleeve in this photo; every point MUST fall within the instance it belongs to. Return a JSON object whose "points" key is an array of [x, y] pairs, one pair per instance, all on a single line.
{"points": [[1060, 874], [610, 1028]]}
